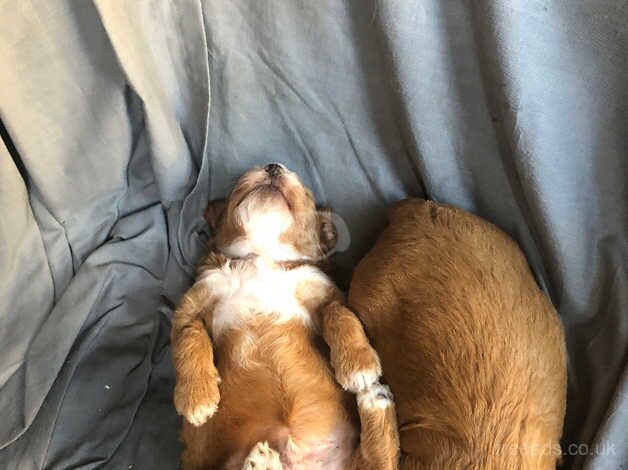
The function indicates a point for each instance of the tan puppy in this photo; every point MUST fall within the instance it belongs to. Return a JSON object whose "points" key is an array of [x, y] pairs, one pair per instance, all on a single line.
{"points": [[254, 382], [472, 350]]}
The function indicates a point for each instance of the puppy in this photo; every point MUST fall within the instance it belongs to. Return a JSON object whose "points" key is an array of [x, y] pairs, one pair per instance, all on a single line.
{"points": [[253, 378], [472, 350]]}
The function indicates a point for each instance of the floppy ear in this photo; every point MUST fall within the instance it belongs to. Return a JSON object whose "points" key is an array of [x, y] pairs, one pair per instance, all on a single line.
{"points": [[213, 213], [328, 233]]}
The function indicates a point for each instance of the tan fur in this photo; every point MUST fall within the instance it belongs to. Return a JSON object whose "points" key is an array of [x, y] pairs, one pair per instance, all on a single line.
{"points": [[472, 350], [261, 393]]}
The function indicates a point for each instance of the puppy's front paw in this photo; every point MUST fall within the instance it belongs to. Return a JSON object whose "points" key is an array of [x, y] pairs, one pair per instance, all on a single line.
{"points": [[375, 397], [197, 400], [357, 369], [262, 457]]}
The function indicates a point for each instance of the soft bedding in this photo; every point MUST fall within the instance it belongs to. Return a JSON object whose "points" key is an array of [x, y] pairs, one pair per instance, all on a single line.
{"points": [[121, 119]]}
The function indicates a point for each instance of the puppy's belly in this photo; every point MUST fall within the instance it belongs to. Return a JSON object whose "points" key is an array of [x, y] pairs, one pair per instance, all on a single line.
{"points": [[278, 387]]}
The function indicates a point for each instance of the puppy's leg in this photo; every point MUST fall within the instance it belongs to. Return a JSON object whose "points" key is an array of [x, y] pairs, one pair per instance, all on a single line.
{"points": [[379, 439], [262, 457], [196, 394], [355, 362]]}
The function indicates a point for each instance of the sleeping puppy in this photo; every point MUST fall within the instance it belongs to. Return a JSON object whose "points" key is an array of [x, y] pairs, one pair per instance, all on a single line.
{"points": [[472, 350], [253, 380]]}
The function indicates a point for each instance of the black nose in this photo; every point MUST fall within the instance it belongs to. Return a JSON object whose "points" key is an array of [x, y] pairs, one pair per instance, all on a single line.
{"points": [[273, 169]]}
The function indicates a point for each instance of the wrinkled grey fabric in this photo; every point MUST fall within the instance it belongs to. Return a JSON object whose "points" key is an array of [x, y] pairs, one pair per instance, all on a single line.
{"points": [[122, 118]]}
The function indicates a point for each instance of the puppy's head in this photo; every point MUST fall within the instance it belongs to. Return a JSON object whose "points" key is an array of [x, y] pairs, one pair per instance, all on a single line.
{"points": [[271, 213]]}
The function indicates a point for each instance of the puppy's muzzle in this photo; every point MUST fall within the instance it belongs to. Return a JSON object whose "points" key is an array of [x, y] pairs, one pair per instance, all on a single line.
{"points": [[273, 169]]}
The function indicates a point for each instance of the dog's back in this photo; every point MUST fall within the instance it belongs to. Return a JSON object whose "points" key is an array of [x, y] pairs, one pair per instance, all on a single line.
{"points": [[473, 351]]}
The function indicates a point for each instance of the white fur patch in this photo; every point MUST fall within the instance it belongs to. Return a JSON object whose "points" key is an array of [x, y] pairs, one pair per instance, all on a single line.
{"points": [[362, 380], [244, 289], [262, 457], [263, 220], [201, 414], [375, 397]]}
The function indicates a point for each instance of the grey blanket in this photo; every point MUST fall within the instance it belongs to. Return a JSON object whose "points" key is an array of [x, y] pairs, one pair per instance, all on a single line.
{"points": [[121, 118]]}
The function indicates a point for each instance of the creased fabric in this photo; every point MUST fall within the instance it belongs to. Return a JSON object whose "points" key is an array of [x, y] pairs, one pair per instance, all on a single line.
{"points": [[122, 118]]}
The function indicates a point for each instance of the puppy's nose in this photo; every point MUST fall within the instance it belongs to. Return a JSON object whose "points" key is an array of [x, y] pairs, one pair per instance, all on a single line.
{"points": [[273, 169]]}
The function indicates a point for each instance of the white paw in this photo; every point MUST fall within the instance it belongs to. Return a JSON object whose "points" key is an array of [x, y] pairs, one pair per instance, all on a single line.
{"points": [[199, 415], [376, 397], [262, 457], [362, 380]]}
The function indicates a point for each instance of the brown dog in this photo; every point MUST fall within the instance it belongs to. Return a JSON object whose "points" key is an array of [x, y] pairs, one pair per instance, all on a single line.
{"points": [[253, 382], [472, 350]]}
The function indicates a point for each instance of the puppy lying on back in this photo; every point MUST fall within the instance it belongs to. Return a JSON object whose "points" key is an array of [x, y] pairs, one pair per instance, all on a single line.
{"points": [[472, 350], [253, 381]]}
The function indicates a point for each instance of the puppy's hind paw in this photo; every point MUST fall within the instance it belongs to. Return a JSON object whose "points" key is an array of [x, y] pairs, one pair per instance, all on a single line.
{"points": [[262, 457], [376, 397]]}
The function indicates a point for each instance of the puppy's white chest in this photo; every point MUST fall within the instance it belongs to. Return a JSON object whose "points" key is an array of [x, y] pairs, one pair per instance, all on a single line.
{"points": [[243, 290]]}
